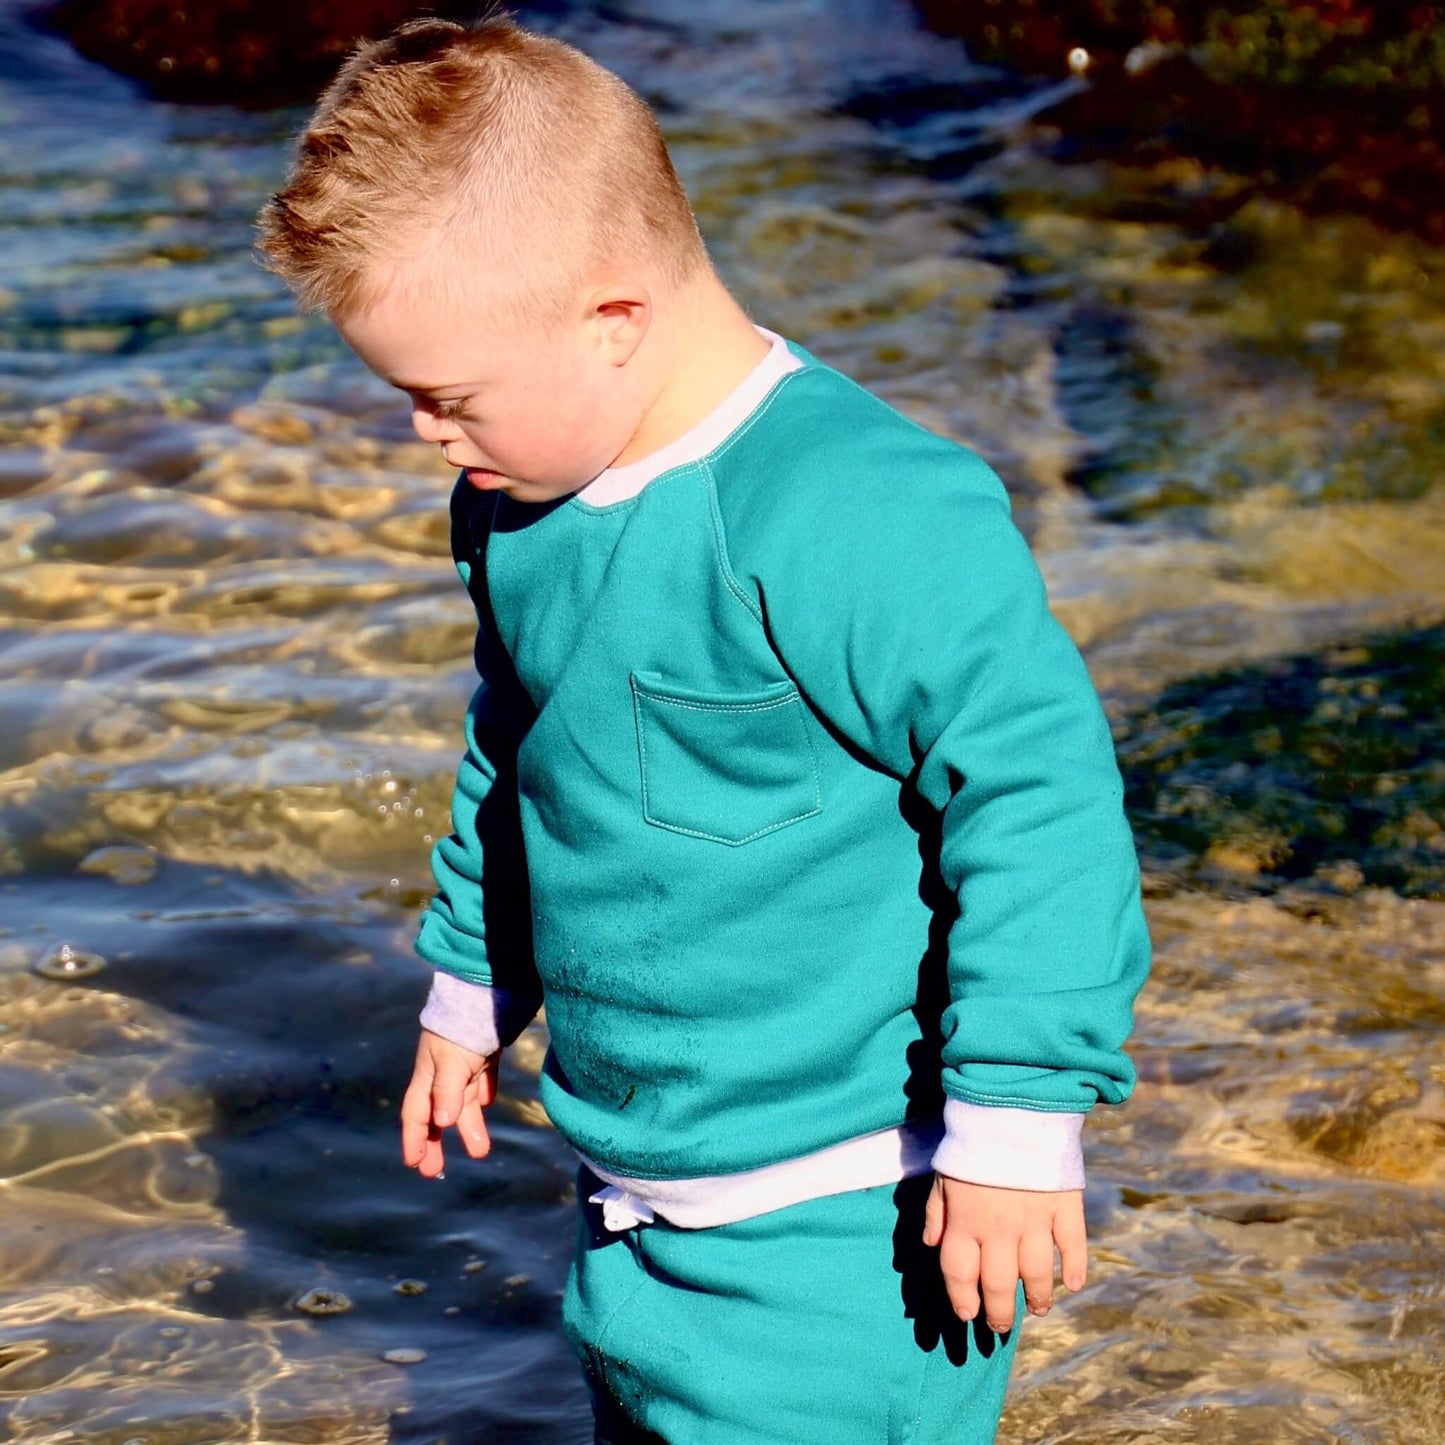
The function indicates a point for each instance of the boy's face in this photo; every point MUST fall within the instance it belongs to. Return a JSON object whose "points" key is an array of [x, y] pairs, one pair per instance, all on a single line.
{"points": [[536, 411]]}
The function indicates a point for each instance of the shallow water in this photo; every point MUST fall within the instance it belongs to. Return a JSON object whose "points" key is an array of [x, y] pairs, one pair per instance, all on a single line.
{"points": [[234, 658]]}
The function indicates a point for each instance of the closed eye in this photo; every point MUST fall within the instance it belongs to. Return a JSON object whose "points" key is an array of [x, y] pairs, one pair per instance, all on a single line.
{"points": [[449, 410]]}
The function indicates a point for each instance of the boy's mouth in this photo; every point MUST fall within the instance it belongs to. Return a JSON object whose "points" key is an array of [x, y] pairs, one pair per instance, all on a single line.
{"points": [[483, 479]]}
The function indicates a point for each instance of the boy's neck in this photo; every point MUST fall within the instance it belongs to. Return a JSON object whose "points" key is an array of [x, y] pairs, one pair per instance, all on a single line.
{"points": [[701, 354]]}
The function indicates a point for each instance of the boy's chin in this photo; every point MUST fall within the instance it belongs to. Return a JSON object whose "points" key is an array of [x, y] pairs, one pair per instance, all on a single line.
{"points": [[522, 491]]}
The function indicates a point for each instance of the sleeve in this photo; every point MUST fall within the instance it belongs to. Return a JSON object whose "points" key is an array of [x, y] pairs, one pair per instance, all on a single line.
{"points": [[915, 621], [478, 928], [475, 1015]]}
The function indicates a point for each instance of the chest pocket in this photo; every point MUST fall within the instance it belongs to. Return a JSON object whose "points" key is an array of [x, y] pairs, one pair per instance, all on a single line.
{"points": [[726, 767]]}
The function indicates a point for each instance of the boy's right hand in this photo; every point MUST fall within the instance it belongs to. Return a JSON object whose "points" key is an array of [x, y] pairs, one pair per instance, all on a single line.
{"points": [[449, 1085]]}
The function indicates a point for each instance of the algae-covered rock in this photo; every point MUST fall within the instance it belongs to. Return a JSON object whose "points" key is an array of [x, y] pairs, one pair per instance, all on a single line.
{"points": [[247, 51], [1334, 104], [1340, 45], [1329, 768]]}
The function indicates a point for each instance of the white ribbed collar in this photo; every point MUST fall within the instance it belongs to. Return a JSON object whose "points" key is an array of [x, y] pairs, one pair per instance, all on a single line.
{"points": [[617, 484]]}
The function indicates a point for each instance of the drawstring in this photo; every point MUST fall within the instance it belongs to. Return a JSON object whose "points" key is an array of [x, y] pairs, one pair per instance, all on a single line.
{"points": [[621, 1210]]}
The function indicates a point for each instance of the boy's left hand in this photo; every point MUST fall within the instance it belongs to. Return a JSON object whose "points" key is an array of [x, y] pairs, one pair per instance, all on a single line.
{"points": [[990, 1238]]}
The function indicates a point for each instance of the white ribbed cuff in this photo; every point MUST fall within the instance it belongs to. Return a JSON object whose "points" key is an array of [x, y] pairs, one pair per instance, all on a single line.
{"points": [[1011, 1148], [474, 1015]]}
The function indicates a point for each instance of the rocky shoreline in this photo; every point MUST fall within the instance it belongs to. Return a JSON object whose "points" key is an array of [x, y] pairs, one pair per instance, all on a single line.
{"points": [[1335, 105], [234, 52]]}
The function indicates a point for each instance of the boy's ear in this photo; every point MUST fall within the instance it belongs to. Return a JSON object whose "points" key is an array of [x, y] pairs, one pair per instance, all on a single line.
{"points": [[619, 315]]}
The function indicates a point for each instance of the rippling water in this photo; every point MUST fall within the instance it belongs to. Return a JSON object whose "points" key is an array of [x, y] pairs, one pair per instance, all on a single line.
{"points": [[234, 659]]}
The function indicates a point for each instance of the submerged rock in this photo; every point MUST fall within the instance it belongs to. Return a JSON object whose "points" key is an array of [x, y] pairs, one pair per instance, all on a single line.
{"points": [[322, 1302], [1324, 768], [122, 863]]}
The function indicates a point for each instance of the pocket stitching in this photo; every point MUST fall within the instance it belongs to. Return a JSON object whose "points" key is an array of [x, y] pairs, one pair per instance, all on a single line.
{"points": [[640, 690], [719, 706]]}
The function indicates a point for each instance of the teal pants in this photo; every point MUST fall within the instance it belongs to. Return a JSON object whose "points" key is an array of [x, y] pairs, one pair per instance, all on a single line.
{"points": [[825, 1323]]}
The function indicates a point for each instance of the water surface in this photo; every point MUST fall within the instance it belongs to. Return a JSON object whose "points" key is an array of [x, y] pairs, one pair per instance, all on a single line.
{"points": [[234, 658]]}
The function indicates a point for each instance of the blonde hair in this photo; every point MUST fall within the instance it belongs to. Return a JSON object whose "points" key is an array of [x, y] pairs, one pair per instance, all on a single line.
{"points": [[489, 141]]}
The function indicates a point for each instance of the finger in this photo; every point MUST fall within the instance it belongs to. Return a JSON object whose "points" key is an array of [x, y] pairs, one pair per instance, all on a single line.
{"points": [[416, 1116], [426, 1150], [958, 1258], [488, 1081], [1036, 1269], [934, 1214], [420, 1139], [433, 1164], [1073, 1241], [998, 1281], [473, 1128], [449, 1084]]}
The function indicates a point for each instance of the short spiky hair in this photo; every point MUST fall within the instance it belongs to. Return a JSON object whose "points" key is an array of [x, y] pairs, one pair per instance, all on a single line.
{"points": [[486, 137]]}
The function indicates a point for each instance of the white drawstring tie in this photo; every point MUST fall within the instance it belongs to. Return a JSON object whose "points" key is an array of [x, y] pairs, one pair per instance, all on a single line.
{"points": [[621, 1210]]}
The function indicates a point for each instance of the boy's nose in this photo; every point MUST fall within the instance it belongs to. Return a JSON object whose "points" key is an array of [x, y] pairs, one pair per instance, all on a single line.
{"points": [[431, 429]]}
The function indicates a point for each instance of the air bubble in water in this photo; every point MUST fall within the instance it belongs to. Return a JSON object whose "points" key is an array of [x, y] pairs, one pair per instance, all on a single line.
{"points": [[66, 963]]}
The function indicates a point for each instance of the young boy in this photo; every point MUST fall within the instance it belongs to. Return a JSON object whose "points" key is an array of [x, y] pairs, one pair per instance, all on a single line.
{"points": [[782, 789]]}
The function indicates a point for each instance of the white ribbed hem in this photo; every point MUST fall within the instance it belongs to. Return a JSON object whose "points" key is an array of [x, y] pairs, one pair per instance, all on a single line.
{"points": [[883, 1157], [474, 1015], [1011, 1148]]}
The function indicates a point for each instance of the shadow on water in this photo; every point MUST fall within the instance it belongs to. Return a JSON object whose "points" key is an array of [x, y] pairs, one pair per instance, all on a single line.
{"points": [[287, 1028]]}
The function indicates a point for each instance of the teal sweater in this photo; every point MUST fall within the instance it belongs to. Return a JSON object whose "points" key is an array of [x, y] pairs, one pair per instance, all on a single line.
{"points": [[786, 793]]}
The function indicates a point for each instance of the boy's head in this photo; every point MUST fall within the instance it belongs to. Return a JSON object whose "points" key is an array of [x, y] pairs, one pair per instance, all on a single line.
{"points": [[448, 153], [489, 218]]}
